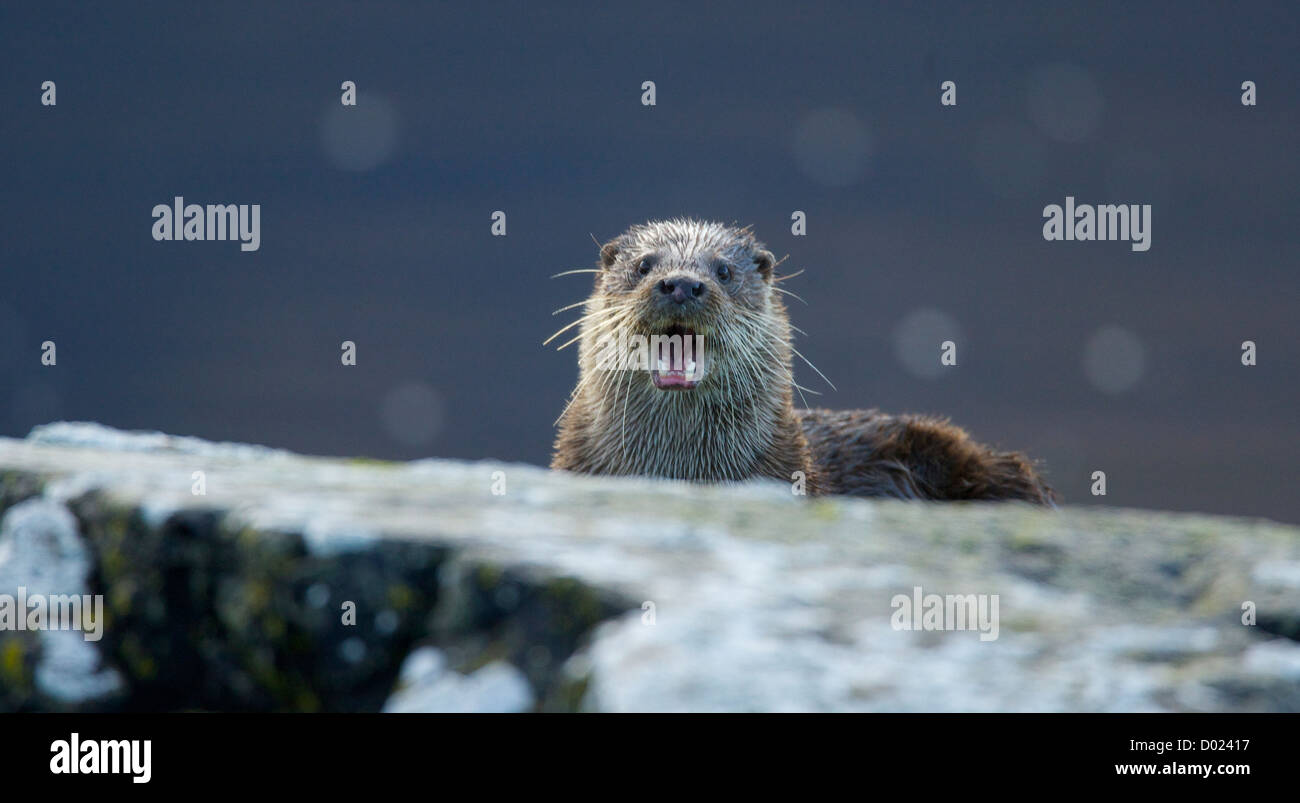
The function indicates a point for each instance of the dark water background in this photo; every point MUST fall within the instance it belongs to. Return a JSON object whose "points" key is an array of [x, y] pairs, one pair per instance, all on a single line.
{"points": [[375, 220]]}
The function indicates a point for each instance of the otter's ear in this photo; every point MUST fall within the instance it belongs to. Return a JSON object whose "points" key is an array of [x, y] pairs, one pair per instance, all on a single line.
{"points": [[609, 252], [764, 261]]}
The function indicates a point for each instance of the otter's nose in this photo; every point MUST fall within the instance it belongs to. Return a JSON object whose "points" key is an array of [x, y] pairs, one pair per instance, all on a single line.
{"points": [[681, 289]]}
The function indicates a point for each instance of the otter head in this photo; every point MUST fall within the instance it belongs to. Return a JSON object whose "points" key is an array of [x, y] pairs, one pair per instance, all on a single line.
{"points": [[691, 304], [684, 361]]}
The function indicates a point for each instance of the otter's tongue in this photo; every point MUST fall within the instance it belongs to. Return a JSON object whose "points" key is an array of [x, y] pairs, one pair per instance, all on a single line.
{"points": [[673, 370], [671, 379]]}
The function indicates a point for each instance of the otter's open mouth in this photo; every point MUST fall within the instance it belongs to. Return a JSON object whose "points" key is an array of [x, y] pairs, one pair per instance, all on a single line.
{"points": [[678, 359]]}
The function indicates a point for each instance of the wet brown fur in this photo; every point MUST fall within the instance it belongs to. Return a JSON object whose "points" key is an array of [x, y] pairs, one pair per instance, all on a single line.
{"points": [[870, 453], [740, 421]]}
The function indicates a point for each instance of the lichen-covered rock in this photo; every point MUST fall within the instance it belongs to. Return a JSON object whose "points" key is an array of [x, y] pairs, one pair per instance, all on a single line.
{"points": [[238, 577], [427, 685], [46, 664]]}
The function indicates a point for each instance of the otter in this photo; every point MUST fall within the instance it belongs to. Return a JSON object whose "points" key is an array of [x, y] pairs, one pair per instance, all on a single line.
{"points": [[663, 407]]}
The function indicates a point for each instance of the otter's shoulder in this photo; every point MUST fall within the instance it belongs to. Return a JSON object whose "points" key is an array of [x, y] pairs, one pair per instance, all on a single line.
{"points": [[870, 453]]}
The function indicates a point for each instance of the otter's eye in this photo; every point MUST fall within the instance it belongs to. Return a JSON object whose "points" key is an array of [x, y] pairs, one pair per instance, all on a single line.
{"points": [[724, 272], [645, 265]]}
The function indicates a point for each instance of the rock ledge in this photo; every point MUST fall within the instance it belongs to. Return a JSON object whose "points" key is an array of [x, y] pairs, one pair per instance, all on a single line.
{"points": [[313, 584]]}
